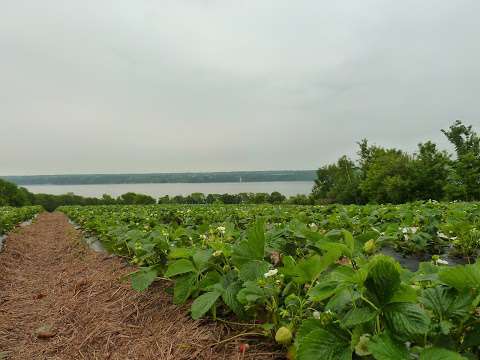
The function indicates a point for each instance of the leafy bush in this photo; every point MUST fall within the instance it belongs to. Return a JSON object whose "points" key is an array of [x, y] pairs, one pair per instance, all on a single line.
{"points": [[382, 175]]}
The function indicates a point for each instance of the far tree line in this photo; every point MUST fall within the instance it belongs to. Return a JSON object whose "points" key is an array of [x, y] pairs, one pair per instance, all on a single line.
{"points": [[12, 195], [378, 175]]}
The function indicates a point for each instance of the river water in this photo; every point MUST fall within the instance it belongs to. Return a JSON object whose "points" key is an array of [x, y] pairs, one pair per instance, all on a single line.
{"points": [[287, 188]]}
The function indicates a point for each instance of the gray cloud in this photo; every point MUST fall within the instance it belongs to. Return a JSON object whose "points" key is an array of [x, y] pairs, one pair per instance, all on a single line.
{"points": [[123, 86]]}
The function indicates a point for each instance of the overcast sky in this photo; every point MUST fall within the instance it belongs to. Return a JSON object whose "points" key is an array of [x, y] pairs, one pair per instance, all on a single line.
{"points": [[159, 86]]}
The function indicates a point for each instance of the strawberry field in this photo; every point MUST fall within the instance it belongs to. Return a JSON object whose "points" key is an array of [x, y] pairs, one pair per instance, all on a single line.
{"points": [[11, 216], [315, 278]]}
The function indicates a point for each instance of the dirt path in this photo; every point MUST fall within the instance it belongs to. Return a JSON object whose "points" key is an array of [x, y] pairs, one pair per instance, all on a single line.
{"points": [[60, 300]]}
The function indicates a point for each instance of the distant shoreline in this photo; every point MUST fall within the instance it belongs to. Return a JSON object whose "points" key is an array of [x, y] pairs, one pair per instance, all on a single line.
{"points": [[164, 178], [287, 188]]}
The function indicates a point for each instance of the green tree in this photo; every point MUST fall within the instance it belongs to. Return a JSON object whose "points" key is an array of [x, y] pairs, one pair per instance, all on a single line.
{"points": [[300, 199], [179, 199], [213, 198], [12, 195], [366, 154], [164, 200], [261, 198], [431, 169], [276, 198], [463, 138], [388, 178], [464, 183], [131, 198], [230, 198], [197, 198], [338, 182], [246, 198], [108, 200]]}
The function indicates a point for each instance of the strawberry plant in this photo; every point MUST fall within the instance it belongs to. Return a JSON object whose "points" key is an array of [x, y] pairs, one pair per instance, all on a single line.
{"points": [[313, 277], [12, 216]]}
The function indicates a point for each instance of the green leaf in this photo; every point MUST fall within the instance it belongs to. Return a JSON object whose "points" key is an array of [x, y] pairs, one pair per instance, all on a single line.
{"points": [[383, 347], [184, 286], [325, 345], [462, 305], [201, 257], [339, 279], [383, 278], [323, 290], [436, 353], [289, 266], [178, 267], [306, 328], [341, 301], [252, 293], [203, 303], [358, 316], [253, 270], [461, 277], [426, 272], [225, 248], [208, 280], [253, 247], [336, 246], [437, 300], [406, 320], [346, 275], [180, 253], [134, 236], [405, 293], [349, 241], [309, 269], [229, 297], [142, 278], [445, 327]]}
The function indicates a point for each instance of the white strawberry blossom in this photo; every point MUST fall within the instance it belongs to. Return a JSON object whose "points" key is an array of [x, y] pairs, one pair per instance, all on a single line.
{"points": [[412, 229], [442, 235], [270, 273]]}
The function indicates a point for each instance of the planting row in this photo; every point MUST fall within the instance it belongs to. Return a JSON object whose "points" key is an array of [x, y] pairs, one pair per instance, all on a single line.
{"points": [[12, 216], [312, 277]]}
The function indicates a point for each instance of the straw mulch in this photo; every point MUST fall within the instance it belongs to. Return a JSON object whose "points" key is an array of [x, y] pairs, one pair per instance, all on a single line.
{"points": [[60, 300]]}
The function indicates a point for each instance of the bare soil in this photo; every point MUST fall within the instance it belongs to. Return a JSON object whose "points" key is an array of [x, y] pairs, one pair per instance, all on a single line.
{"points": [[61, 300]]}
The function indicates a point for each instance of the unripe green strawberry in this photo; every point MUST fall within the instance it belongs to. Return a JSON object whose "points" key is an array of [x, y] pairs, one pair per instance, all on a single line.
{"points": [[370, 246], [283, 336]]}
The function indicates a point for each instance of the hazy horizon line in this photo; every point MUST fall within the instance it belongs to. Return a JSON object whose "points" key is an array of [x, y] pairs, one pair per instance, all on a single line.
{"points": [[159, 172]]}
